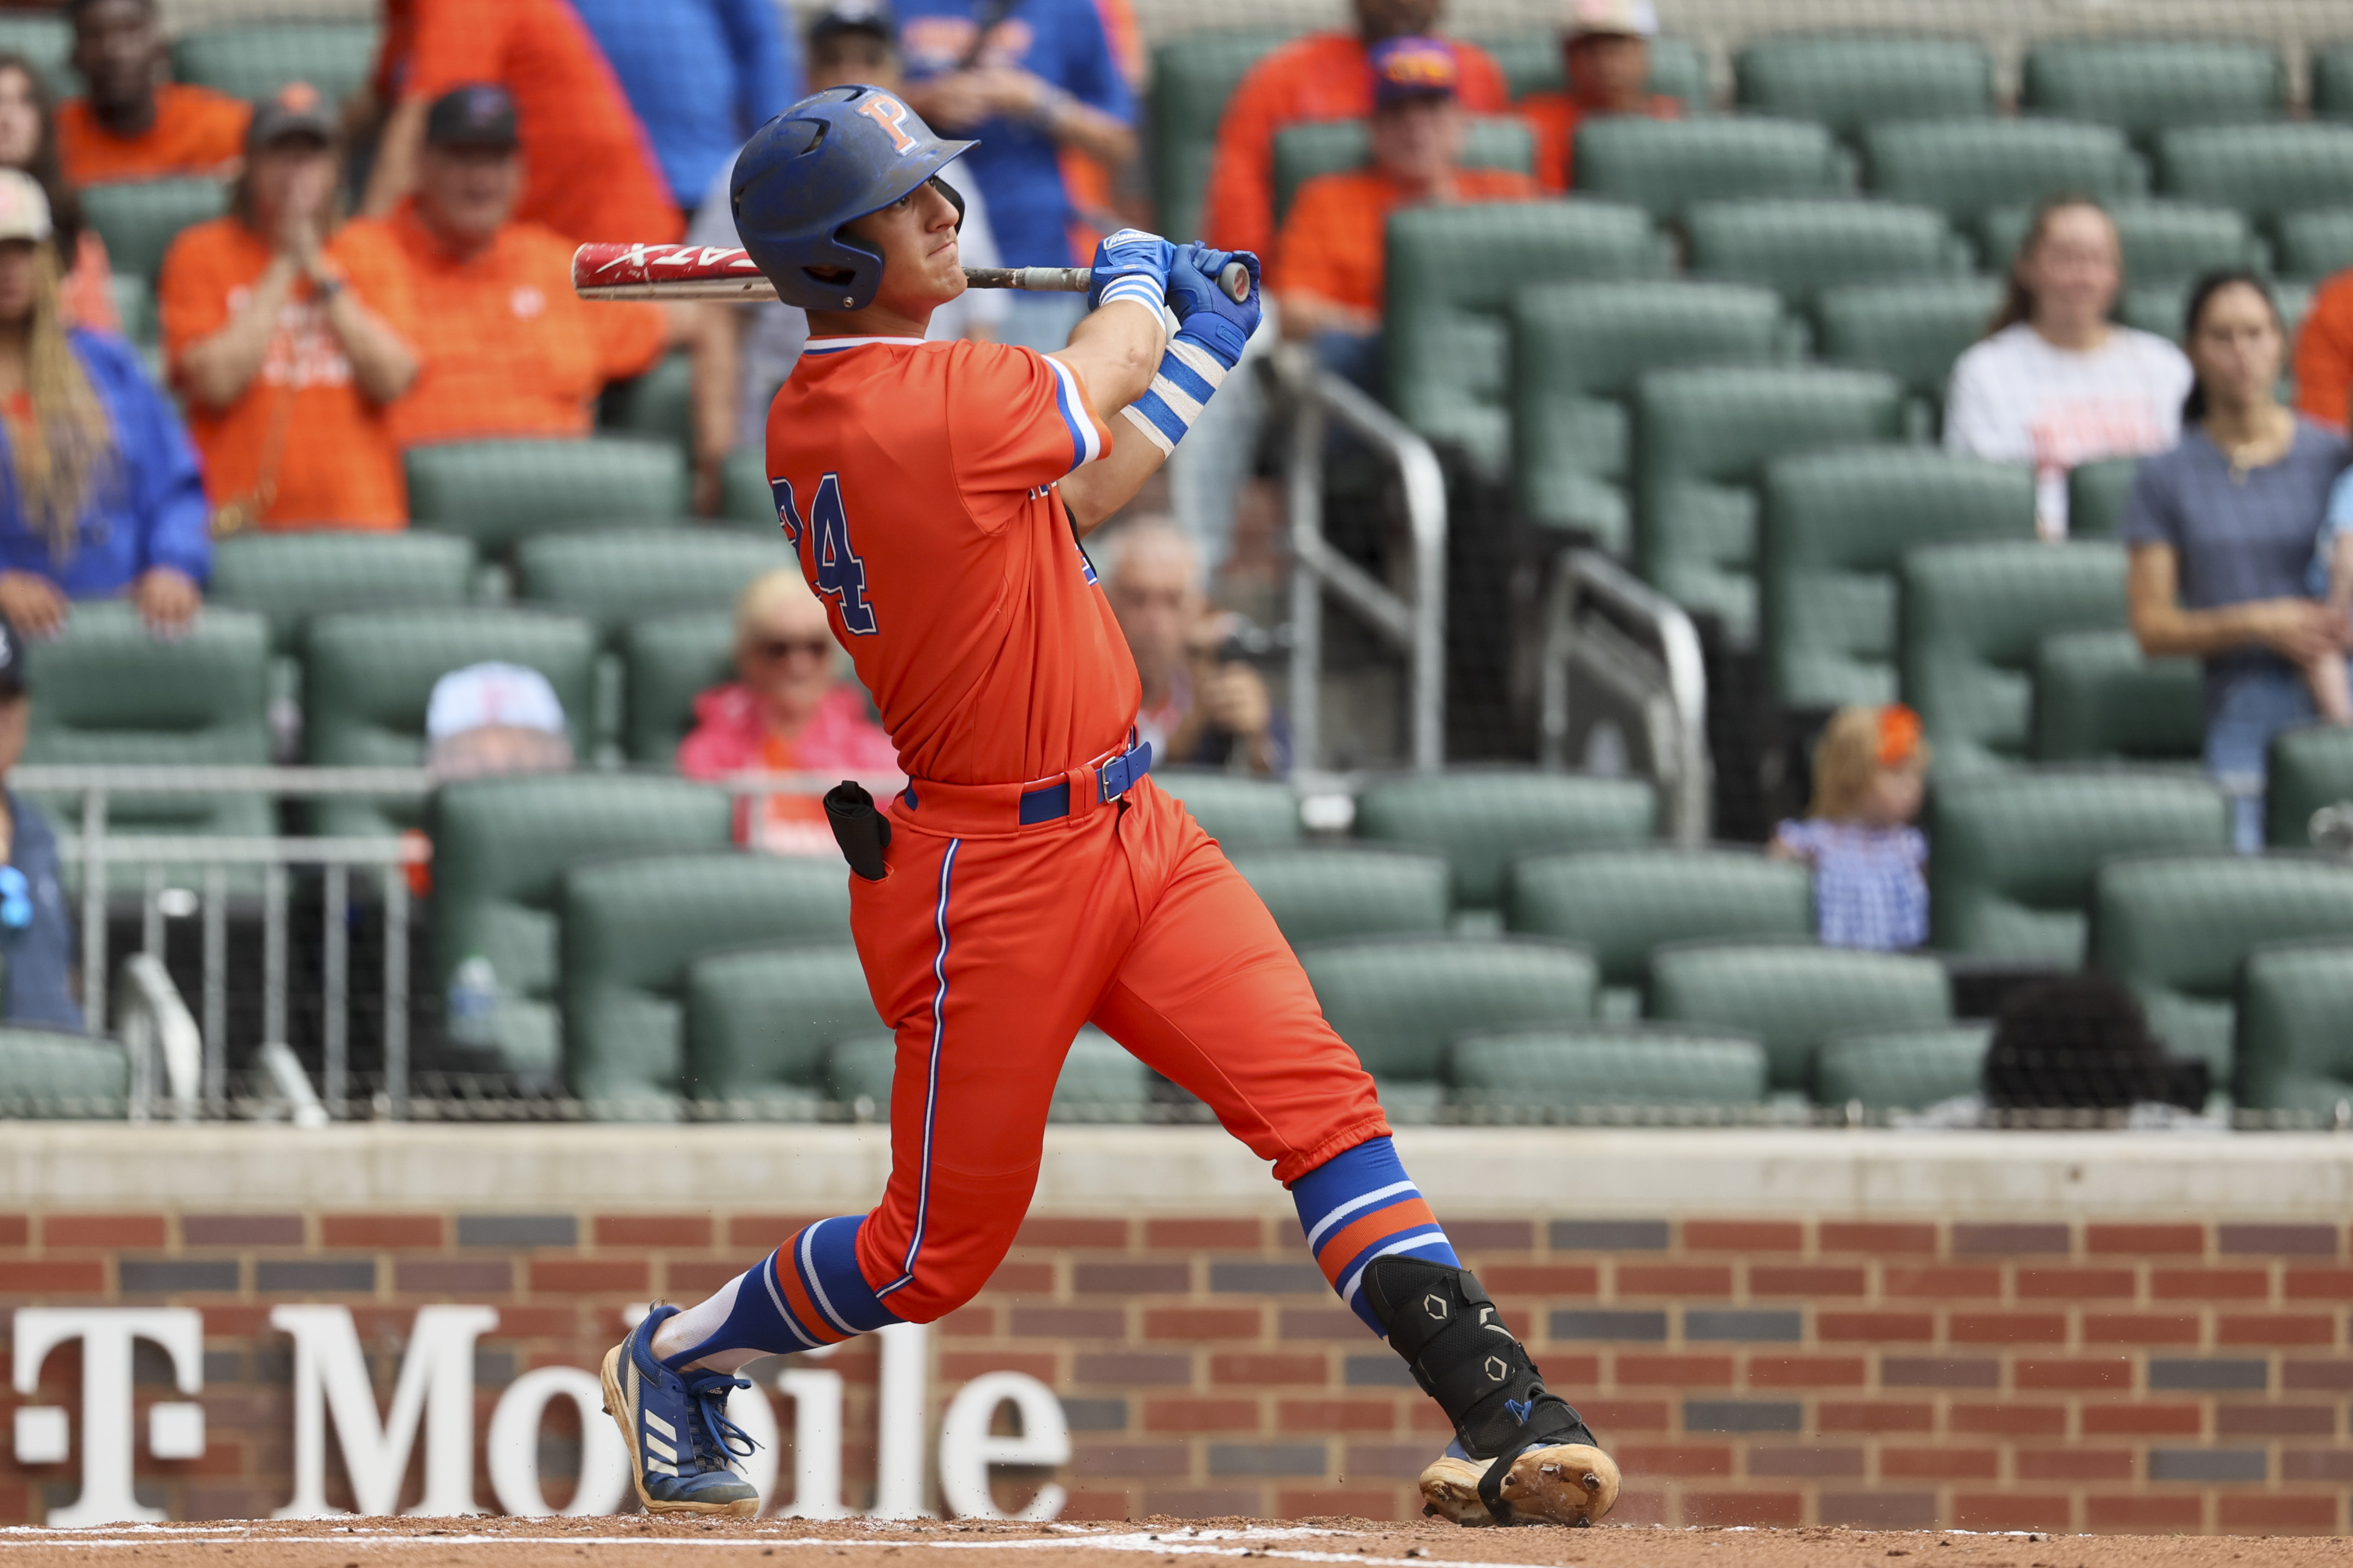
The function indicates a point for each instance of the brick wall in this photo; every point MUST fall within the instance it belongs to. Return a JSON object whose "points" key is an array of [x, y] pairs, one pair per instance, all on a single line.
{"points": [[2080, 1374]]}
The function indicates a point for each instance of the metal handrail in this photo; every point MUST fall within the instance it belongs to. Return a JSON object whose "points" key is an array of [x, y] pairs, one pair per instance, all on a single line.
{"points": [[159, 1032], [1605, 625], [1415, 625]]}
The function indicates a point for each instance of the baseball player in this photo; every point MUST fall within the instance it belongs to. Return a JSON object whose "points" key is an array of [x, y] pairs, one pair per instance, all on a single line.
{"points": [[1035, 879]]}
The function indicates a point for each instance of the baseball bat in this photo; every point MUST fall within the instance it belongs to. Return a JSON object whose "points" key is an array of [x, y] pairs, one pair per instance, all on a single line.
{"points": [[711, 272]]}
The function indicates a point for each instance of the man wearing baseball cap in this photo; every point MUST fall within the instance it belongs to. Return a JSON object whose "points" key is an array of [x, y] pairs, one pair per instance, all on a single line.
{"points": [[1606, 47], [1328, 268]]}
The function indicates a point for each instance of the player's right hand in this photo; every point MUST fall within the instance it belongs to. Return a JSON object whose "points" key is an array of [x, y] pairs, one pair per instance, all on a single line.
{"points": [[1130, 265], [1205, 312]]}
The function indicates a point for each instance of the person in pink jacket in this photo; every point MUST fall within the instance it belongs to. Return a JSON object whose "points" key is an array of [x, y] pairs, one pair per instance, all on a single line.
{"points": [[791, 710]]}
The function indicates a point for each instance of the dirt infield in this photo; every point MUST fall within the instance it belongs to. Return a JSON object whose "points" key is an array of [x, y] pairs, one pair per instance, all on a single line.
{"points": [[857, 1543]]}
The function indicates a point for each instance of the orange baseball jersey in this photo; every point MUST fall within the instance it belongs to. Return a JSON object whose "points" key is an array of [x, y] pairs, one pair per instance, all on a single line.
{"points": [[917, 480], [1324, 75], [1333, 245], [1553, 117], [2324, 352], [196, 132]]}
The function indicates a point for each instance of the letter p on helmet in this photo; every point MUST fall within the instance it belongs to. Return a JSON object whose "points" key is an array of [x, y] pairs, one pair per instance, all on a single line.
{"points": [[892, 115]]}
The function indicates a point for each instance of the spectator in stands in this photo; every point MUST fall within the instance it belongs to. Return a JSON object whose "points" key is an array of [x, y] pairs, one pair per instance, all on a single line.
{"points": [[1200, 704], [2324, 352], [289, 337], [1606, 50], [1029, 87], [28, 141], [749, 349], [509, 349], [2223, 530], [1324, 76], [791, 708], [702, 74], [1870, 886], [133, 122], [2055, 383], [589, 172], [99, 493], [1328, 271], [37, 931], [491, 719]]}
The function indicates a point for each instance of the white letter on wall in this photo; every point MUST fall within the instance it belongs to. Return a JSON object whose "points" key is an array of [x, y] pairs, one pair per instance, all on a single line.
{"points": [[898, 1437], [106, 1332], [816, 1442], [967, 1449], [514, 1445], [436, 1388]]}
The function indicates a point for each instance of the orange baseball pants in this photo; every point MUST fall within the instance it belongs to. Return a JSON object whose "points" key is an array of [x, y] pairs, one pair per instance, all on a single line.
{"points": [[986, 946]]}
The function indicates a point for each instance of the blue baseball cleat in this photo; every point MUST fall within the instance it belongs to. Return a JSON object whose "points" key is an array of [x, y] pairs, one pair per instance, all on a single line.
{"points": [[681, 1442]]}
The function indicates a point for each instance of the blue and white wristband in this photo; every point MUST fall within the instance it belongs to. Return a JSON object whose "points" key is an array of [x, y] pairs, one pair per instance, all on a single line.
{"points": [[1140, 288], [1188, 375]]}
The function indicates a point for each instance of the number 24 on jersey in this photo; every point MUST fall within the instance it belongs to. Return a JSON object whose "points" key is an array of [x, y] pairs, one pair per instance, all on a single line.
{"points": [[840, 575]]}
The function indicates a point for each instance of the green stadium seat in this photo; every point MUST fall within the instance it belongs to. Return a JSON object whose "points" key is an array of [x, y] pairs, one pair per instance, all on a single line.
{"points": [[630, 929], [1192, 77], [760, 1022], [1794, 996], [1236, 811], [2264, 171], [613, 579], [1531, 62], [1911, 330], [1666, 165], [2164, 242], [367, 675], [140, 219], [2293, 1051], [2177, 928], [1482, 819], [502, 846], [2097, 698], [1401, 1001], [253, 62], [1099, 1082], [1900, 1069], [1849, 81], [1702, 438], [1552, 1074], [134, 305], [1963, 167], [2309, 767], [2010, 855], [1836, 524], [1621, 905], [2332, 81], [56, 1075], [1971, 615], [44, 38], [2316, 244], [658, 404], [2143, 86], [668, 661], [114, 693], [1800, 246], [497, 492], [1576, 351], [1313, 147], [745, 497], [1328, 892], [1453, 273], [291, 577], [2096, 493]]}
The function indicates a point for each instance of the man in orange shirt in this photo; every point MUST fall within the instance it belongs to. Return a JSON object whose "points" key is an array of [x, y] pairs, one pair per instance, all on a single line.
{"points": [[132, 123], [1320, 76], [1330, 264], [289, 341], [2324, 352], [592, 175], [1606, 47], [509, 349]]}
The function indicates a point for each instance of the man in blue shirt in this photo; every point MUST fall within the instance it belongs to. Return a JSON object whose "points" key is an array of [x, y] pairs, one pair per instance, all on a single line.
{"points": [[1028, 79], [36, 932], [701, 74]]}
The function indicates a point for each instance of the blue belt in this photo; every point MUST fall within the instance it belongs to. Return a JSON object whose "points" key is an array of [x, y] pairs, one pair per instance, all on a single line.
{"points": [[1112, 779]]}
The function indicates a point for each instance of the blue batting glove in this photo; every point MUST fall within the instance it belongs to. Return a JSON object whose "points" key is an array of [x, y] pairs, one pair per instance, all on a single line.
{"points": [[1205, 312], [1130, 265]]}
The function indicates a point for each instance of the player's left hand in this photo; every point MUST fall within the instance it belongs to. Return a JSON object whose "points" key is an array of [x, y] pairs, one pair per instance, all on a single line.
{"points": [[1130, 265], [1205, 312]]}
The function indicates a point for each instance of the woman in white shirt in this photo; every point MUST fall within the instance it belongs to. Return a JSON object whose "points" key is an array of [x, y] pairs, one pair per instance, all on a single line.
{"points": [[2054, 382]]}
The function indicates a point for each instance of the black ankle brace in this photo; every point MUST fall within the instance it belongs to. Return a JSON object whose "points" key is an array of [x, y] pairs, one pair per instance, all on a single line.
{"points": [[1447, 1328]]}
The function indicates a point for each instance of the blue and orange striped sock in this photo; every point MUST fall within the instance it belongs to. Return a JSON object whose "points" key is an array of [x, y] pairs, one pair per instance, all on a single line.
{"points": [[1359, 1206], [808, 1293]]}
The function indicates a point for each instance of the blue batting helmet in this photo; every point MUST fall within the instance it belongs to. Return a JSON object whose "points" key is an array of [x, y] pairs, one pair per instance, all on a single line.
{"points": [[834, 156]]}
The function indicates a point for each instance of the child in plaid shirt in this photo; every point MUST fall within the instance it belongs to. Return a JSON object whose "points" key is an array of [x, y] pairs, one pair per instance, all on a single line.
{"points": [[1871, 888]]}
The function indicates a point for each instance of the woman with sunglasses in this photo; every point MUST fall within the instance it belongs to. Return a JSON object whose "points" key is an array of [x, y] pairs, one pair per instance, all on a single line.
{"points": [[789, 709]]}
